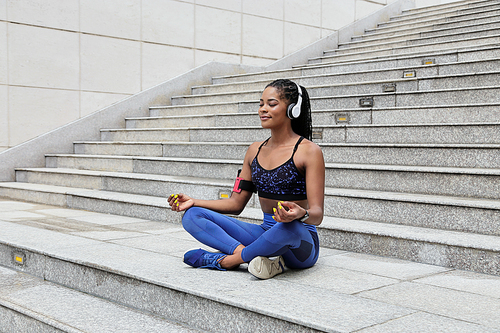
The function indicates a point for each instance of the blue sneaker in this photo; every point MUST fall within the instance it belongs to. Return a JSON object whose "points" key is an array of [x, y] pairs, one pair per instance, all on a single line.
{"points": [[204, 259]]}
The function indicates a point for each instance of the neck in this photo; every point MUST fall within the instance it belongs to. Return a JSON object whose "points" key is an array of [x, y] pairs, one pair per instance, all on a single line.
{"points": [[282, 136]]}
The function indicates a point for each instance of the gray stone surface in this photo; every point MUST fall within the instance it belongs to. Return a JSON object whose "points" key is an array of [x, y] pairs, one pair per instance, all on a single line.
{"points": [[344, 291]]}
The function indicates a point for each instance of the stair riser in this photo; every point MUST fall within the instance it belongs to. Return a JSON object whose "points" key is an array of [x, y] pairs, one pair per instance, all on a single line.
{"points": [[456, 115], [172, 168], [415, 99], [204, 109], [434, 254], [351, 54], [119, 149], [434, 216], [424, 134], [419, 182], [14, 322], [425, 156], [212, 121], [149, 297], [191, 135]]}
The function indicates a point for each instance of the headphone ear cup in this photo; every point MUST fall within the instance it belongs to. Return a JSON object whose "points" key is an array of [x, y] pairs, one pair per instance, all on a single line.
{"points": [[289, 111]]}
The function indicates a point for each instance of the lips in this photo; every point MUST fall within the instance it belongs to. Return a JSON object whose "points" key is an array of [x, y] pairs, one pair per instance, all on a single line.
{"points": [[264, 117]]}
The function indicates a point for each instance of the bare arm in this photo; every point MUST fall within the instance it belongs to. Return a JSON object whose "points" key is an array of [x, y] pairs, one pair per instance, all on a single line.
{"points": [[234, 205]]}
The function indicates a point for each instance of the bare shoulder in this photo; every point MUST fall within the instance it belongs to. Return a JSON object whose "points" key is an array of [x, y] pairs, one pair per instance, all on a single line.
{"points": [[310, 149], [309, 154]]}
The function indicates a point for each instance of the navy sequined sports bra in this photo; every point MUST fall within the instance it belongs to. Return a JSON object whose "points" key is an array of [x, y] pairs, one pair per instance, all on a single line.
{"points": [[284, 182]]}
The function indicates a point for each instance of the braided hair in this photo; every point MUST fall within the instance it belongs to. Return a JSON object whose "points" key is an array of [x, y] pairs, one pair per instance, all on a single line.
{"points": [[288, 91]]}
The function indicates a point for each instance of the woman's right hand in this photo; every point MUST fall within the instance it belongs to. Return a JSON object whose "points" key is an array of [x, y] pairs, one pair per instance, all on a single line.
{"points": [[180, 202]]}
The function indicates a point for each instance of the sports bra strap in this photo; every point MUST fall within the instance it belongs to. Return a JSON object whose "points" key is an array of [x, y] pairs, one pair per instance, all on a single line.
{"points": [[294, 149], [297, 145], [263, 143]]}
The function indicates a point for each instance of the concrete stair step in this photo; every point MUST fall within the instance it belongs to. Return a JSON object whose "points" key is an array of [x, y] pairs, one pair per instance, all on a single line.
{"points": [[201, 109], [407, 81], [188, 296], [462, 250], [422, 98], [441, 155], [29, 303], [438, 133], [366, 75], [423, 35], [467, 182], [461, 214], [445, 58]]}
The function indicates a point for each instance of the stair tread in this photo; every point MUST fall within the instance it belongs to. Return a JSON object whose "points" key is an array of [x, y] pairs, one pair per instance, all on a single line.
{"points": [[73, 311]]}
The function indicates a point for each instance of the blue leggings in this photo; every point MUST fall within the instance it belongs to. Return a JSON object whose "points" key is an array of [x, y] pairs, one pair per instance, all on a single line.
{"points": [[298, 245]]}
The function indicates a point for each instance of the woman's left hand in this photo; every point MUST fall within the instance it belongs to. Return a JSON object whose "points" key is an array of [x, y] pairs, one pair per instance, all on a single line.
{"points": [[288, 211]]}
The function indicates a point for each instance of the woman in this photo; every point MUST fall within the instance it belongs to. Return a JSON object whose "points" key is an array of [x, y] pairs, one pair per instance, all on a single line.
{"points": [[288, 170]]}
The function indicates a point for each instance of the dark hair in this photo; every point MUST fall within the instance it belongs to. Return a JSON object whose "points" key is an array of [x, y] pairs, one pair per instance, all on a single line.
{"points": [[288, 91]]}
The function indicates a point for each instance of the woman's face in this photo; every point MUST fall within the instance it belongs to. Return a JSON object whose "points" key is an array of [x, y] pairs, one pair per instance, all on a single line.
{"points": [[272, 110]]}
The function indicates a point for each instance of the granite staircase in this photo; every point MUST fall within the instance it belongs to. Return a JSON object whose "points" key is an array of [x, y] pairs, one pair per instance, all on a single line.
{"points": [[407, 116]]}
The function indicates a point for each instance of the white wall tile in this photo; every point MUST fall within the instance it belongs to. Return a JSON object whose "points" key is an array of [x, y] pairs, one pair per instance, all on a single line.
{"points": [[34, 111], [43, 57], [3, 9], [202, 57], [55, 14], [338, 13], [305, 12], [234, 5], [161, 63], [110, 64], [92, 101], [168, 22], [298, 36], [4, 117], [119, 18], [364, 8], [268, 8], [217, 30], [3, 53], [262, 37]]}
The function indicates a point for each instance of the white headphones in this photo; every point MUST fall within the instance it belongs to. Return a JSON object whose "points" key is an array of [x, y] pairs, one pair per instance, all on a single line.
{"points": [[293, 110]]}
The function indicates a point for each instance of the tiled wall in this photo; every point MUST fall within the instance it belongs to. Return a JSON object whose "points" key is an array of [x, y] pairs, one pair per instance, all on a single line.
{"points": [[63, 59]]}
